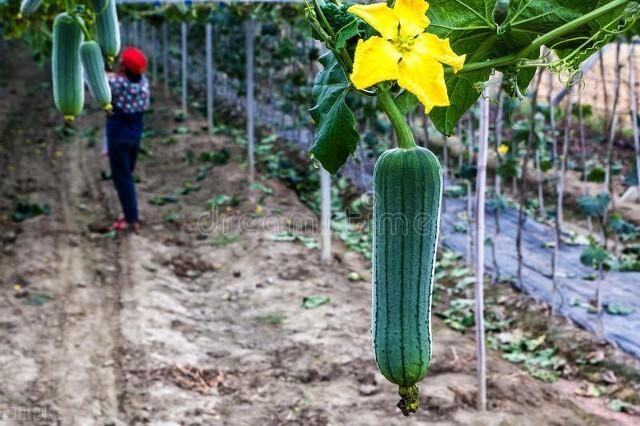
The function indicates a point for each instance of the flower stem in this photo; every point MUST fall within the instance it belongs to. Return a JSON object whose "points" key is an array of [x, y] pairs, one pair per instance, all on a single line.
{"points": [[398, 120]]}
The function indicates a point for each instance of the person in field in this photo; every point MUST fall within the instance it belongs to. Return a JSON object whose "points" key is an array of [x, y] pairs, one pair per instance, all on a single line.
{"points": [[130, 98]]}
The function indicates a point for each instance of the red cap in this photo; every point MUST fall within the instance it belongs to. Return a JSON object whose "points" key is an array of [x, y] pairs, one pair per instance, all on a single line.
{"points": [[133, 60]]}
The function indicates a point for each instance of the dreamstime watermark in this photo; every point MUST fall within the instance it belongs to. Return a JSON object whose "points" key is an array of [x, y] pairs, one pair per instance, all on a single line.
{"points": [[28, 414], [219, 221]]}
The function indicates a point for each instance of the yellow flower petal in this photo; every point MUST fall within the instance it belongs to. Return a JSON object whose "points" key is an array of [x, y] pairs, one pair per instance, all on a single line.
{"points": [[424, 77], [412, 16], [379, 16], [440, 50], [375, 60], [503, 149]]}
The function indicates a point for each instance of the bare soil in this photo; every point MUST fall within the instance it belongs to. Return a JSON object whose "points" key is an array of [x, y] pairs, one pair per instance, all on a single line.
{"points": [[166, 328]]}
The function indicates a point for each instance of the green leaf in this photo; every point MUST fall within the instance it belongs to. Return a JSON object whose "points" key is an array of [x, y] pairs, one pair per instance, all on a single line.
{"points": [[596, 175], [226, 240], [219, 200], [455, 191], [618, 309], [594, 206], [471, 29], [347, 32], [617, 405], [516, 357], [595, 255], [257, 186], [308, 242], [311, 302], [37, 299], [336, 135], [111, 235], [543, 375]]}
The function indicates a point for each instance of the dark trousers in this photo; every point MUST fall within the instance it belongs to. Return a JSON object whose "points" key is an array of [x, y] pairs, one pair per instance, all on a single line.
{"points": [[122, 158]]}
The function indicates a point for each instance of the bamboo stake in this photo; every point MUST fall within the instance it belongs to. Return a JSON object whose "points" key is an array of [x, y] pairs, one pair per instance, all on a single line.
{"points": [[523, 179], [165, 57], [325, 222], [250, 45], [209, 72], [499, 128], [539, 183], [559, 204], [481, 183], [185, 54], [634, 112], [154, 54], [608, 180]]}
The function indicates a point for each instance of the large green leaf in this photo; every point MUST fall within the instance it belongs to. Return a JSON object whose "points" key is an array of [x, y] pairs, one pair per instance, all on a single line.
{"points": [[463, 93], [471, 30], [471, 27], [336, 135], [527, 19]]}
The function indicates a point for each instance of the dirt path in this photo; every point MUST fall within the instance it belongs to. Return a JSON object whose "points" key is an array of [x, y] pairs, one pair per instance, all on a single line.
{"points": [[175, 327], [71, 341]]}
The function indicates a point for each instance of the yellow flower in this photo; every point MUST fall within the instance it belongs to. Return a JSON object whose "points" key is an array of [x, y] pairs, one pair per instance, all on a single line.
{"points": [[503, 149], [404, 52]]}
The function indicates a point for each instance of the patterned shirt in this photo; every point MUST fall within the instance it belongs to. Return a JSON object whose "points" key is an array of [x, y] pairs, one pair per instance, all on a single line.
{"points": [[129, 97], [129, 100]]}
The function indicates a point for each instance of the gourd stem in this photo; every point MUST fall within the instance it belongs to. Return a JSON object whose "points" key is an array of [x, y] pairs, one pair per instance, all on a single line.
{"points": [[410, 399], [398, 120]]}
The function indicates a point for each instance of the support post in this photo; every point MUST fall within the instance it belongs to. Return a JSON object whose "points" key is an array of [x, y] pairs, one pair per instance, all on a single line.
{"points": [[325, 215], [480, 232], [185, 57], [250, 45], [154, 54], [136, 33], [209, 72], [634, 113], [165, 57]]}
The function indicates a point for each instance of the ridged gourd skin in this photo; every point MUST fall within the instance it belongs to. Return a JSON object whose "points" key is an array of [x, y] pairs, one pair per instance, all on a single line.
{"points": [[68, 90], [107, 27], [28, 7], [95, 75], [407, 198]]}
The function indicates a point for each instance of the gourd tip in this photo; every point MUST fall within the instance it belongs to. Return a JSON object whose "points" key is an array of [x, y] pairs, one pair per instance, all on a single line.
{"points": [[410, 399], [68, 119]]}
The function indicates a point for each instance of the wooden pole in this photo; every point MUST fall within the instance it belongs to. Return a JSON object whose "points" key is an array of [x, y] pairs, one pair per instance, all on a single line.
{"points": [[165, 57], [560, 202], [185, 53], [523, 179], [154, 54], [479, 246], [325, 218], [250, 45], [613, 124], [499, 126], [634, 111], [540, 182], [209, 71], [136, 33]]}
